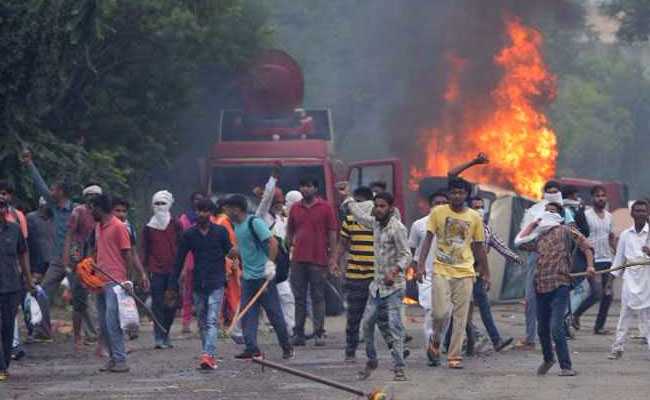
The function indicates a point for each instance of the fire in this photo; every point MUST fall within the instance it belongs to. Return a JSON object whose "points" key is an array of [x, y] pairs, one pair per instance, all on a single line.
{"points": [[515, 134]]}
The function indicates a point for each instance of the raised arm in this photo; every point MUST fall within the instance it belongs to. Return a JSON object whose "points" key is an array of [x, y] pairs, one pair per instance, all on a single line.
{"points": [[363, 217], [39, 182], [481, 158], [269, 190]]}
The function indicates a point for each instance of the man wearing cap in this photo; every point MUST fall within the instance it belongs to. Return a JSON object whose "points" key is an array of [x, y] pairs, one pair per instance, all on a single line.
{"points": [[71, 229]]}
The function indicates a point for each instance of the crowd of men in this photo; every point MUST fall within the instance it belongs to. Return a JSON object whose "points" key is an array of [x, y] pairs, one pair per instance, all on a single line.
{"points": [[224, 259]]}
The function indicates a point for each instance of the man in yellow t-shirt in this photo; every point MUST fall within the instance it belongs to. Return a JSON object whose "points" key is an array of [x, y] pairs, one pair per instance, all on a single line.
{"points": [[460, 236]]}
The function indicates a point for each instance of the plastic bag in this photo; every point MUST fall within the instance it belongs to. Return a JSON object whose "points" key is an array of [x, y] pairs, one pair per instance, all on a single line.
{"points": [[33, 310], [128, 311]]}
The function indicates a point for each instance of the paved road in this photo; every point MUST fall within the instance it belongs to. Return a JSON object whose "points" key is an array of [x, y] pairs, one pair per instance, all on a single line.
{"points": [[51, 371]]}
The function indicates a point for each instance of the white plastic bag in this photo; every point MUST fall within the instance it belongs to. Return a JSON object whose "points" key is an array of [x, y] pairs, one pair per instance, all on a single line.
{"points": [[129, 318], [35, 314]]}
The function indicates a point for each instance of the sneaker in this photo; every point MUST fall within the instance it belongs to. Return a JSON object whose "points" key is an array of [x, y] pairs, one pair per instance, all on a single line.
{"points": [[248, 355], [299, 340], [433, 355], [567, 372], [207, 362], [400, 376], [18, 355], [120, 366], [288, 353], [371, 365], [319, 341], [615, 355], [107, 367], [545, 367], [524, 345], [575, 323], [503, 343], [238, 339]]}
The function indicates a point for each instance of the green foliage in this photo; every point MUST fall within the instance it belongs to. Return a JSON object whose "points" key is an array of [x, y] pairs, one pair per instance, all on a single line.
{"points": [[96, 87], [633, 16]]}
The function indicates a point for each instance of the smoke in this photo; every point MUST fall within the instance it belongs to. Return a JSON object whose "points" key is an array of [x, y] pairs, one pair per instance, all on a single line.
{"points": [[386, 65]]}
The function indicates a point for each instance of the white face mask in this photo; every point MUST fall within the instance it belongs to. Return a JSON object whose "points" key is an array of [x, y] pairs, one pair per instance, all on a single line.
{"points": [[553, 197]]}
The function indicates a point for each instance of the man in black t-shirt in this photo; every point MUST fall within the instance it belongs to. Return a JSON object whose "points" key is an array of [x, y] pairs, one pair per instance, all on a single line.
{"points": [[13, 251]]}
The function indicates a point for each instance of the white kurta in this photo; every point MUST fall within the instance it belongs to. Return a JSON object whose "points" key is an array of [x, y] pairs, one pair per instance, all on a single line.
{"points": [[635, 296], [636, 280]]}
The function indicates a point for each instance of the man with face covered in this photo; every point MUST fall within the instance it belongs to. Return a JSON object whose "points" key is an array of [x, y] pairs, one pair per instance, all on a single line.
{"points": [[552, 240], [391, 258], [158, 248], [551, 194]]}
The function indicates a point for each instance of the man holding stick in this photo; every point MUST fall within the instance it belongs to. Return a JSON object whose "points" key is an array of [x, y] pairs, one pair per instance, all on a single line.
{"points": [[113, 257], [635, 296], [257, 249], [209, 244]]}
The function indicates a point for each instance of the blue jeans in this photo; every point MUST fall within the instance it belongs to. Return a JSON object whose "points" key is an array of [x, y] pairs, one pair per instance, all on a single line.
{"points": [[207, 306], [108, 315], [387, 308], [531, 299], [551, 310], [270, 301], [483, 303]]}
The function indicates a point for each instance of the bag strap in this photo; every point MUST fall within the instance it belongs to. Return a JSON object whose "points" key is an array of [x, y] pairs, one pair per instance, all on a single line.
{"points": [[258, 242]]}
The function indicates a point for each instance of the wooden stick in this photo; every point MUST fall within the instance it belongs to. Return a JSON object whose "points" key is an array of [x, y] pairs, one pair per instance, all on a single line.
{"points": [[252, 301], [620, 267]]}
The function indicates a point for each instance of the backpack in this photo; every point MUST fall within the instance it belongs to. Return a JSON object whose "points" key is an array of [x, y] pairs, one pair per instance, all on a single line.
{"points": [[282, 261]]}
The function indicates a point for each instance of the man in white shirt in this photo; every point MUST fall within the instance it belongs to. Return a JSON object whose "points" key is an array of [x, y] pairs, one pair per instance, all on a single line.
{"points": [[416, 239], [603, 240], [635, 295]]}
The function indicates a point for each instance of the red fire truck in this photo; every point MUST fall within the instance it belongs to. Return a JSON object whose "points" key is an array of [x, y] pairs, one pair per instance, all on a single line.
{"points": [[273, 127]]}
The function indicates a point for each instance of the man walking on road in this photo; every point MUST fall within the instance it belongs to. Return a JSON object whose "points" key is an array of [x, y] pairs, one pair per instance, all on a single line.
{"points": [[311, 231], [635, 295], [460, 244], [602, 238], [257, 248], [209, 243], [391, 258]]}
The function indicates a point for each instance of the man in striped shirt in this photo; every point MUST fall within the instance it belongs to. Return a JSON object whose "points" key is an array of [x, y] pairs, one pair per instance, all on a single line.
{"points": [[357, 242]]}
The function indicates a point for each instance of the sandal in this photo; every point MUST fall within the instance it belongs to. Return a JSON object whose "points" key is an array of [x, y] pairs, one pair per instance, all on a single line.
{"points": [[400, 376], [455, 363]]}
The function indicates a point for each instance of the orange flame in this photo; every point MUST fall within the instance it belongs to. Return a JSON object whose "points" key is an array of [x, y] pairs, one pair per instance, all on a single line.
{"points": [[515, 135]]}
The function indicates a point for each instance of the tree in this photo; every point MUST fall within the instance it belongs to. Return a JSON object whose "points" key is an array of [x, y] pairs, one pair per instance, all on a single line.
{"points": [[633, 16], [97, 87]]}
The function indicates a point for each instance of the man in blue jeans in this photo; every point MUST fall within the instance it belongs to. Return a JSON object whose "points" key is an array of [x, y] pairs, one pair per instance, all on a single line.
{"points": [[553, 244], [209, 243], [257, 249]]}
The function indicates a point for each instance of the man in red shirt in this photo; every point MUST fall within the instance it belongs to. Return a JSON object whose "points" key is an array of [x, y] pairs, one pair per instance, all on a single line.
{"points": [[311, 231], [159, 245], [113, 256]]}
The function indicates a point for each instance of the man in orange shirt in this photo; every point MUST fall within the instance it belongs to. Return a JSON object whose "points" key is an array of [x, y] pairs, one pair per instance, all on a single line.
{"points": [[232, 294], [113, 256]]}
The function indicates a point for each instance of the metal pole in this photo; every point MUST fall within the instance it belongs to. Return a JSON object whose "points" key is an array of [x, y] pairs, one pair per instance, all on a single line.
{"points": [[309, 376]]}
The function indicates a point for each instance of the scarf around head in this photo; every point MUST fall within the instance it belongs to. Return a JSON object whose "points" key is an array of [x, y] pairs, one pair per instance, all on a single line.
{"points": [[548, 221], [161, 213]]}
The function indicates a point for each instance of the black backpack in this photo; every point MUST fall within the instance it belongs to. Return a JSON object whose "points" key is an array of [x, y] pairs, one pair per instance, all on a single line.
{"points": [[282, 261]]}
